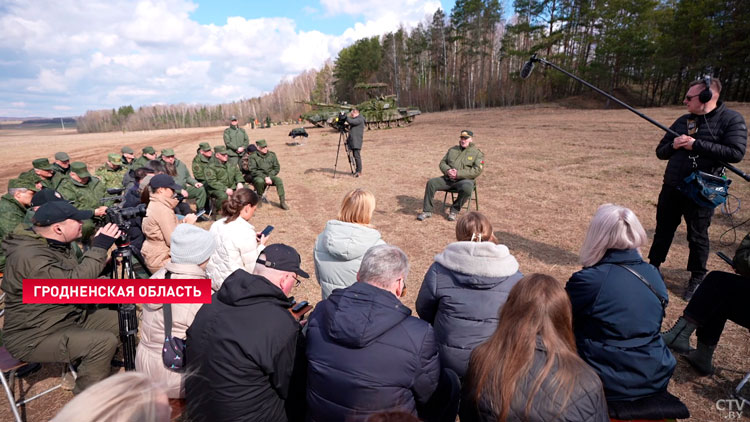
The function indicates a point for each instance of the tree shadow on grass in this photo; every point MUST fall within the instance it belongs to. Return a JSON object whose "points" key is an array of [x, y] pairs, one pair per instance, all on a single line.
{"points": [[548, 254]]}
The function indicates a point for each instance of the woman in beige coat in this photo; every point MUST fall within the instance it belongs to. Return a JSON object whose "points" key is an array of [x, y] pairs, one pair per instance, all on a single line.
{"points": [[191, 248], [160, 221]]}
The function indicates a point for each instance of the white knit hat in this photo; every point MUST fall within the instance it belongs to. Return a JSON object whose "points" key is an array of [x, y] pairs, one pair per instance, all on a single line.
{"points": [[191, 244]]}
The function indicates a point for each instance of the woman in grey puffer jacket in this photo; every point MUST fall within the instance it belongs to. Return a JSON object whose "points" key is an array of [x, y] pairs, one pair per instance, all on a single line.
{"points": [[464, 289], [339, 249]]}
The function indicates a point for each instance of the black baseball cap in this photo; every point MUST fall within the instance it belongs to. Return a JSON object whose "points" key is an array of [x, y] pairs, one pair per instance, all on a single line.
{"points": [[164, 181], [57, 211], [46, 195], [282, 257]]}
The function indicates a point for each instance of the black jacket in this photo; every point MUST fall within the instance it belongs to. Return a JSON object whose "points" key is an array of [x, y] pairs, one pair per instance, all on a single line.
{"points": [[720, 135], [244, 354], [367, 354], [586, 403], [356, 131]]}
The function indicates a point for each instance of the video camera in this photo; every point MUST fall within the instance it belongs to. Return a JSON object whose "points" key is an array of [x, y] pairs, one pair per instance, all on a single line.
{"points": [[113, 191], [340, 122], [122, 216]]}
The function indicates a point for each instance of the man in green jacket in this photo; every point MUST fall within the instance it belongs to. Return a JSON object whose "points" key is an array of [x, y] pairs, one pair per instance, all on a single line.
{"points": [[263, 167], [222, 178], [149, 153], [112, 172], [127, 157], [86, 192], [13, 206], [461, 165], [42, 172], [236, 140], [200, 161], [61, 165], [58, 332], [182, 177]]}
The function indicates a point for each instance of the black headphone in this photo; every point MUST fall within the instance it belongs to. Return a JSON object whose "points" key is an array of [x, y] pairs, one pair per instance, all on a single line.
{"points": [[706, 95]]}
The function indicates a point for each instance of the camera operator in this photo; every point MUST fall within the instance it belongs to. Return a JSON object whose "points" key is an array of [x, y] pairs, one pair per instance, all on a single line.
{"points": [[356, 135], [58, 332]]}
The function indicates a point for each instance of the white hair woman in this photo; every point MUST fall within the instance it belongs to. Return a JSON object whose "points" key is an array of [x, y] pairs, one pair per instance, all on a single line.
{"points": [[618, 304]]}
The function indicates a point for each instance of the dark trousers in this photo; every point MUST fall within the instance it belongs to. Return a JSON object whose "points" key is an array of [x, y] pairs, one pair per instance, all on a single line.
{"points": [[443, 405], [720, 297], [357, 159], [671, 208], [93, 342], [464, 188]]}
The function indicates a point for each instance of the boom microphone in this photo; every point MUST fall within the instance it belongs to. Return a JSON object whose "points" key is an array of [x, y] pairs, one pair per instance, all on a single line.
{"points": [[528, 67]]}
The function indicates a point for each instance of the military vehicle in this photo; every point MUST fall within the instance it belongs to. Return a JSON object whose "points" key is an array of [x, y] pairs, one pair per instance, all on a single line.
{"points": [[380, 111]]}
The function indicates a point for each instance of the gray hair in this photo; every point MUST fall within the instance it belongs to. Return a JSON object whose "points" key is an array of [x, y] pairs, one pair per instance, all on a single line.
{"points": [[382, 265], [13, 191], [613, 227]]}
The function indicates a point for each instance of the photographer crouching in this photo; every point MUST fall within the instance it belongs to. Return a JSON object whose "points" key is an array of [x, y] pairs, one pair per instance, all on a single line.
{"points": [[58, 332]]}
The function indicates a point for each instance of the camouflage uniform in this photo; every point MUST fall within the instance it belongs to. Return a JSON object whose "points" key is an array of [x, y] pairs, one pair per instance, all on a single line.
{"points": [[142, 161], [12, 213], [112, 177], [84, 196], [200, 162], [469, 162], [220, 177], [61, 156], [42, 164], [184, 179], [235, 137], [260, 166]]}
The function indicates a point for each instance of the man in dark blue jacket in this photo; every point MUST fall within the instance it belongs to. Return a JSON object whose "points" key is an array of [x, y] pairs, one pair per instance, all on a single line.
{"points": [[710, 133], [366, 354]]}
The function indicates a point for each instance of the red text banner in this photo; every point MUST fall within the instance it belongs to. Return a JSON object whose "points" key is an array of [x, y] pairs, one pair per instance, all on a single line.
{"points": [[106, 291]]}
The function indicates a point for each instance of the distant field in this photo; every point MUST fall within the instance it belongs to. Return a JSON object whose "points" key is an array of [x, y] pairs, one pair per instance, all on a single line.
{"points": [[547, 170]]}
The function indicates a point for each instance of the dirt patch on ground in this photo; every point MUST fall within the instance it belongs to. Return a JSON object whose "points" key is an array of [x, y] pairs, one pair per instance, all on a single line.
{"points": [[547, 170]]}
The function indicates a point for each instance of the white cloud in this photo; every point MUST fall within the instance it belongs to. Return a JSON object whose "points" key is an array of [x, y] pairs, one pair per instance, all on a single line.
{"points": [[18, 104], [104, 54]]}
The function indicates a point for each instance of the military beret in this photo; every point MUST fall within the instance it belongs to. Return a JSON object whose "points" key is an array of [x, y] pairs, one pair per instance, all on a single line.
{"points": [[45, 195], [220, 149], [22, 184], [127, 150], [57, 211], [261, 143], [149, 150], [80, 169], [42, 164], [204, 146], [62, 156], [467, 134], [167, 152], [114, 159]]}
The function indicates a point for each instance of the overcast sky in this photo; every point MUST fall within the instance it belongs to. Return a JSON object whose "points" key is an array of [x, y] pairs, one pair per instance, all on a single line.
{"points": [[63, 57]]}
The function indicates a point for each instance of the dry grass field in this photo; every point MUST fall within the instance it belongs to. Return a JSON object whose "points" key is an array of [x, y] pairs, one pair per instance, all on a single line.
{"points": [[547, 170]]}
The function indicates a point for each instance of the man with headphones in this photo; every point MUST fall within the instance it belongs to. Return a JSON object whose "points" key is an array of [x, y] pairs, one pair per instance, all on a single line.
{"points": [[710, 133]]}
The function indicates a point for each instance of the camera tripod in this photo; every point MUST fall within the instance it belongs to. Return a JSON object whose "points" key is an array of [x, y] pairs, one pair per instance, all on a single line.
{"points": [[342, 137], [122, 268]]}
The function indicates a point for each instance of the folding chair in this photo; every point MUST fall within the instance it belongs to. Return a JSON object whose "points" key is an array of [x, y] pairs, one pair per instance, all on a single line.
{"points": [[453, 194]]}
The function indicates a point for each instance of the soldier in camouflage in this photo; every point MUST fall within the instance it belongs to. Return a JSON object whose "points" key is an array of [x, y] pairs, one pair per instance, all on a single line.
{"points": [[127, 157], [200, 161], [61, 165], [236, 140], [13, 206], [460, 166], [42, 172], [86, 192], [182, 177], [112, 172], [149, 153], [263, 167], [222, 178]]}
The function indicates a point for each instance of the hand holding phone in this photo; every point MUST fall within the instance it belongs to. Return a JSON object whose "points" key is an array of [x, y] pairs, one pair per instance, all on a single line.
{"points": [[201, 212], [300, 309], [266, 231]]}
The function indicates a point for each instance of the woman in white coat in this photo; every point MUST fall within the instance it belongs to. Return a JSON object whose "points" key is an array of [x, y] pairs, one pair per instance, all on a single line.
{"points": [[339, 249], [238, 244]]}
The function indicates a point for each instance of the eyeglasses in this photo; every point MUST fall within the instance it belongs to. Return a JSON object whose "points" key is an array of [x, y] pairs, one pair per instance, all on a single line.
{"points": [[689, 98], [297, 281]]}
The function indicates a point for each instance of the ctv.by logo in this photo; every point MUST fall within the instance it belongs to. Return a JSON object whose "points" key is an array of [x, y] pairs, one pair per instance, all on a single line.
{"points": [[731, 408]]}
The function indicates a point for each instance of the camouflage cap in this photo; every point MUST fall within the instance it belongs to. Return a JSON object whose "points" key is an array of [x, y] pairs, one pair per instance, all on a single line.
{"points": [[22, 184], [220, 149], [127, 150], [149, 150], [80, 169], [204, 146], [167, 152], [261, 143], [467, 134], [62, 156], [42, 164], [114, 159], [234, 118]]}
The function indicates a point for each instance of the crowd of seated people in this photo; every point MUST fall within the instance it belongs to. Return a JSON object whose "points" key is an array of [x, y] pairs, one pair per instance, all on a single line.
{"points": [[488, 343]]}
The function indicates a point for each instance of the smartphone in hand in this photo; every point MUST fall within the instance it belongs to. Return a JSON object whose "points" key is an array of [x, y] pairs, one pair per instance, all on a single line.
{"points": [[199, 213], [266, 231], [300, 309]]}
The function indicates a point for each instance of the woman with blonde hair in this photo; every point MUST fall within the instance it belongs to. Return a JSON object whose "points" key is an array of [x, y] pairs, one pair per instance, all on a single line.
{"points": [[339, 249], [528, 370], [127, 396], [238, 244], [465, 288], [618, 305]]}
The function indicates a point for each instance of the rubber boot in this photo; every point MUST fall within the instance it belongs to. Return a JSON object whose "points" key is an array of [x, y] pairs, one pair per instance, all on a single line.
{"points": [[701, 359], [677, 338], [283, 204]]}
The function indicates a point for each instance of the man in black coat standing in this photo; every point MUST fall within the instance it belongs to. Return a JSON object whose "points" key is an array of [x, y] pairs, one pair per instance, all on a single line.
{"points": [[710, 133], [245, 352], [356, 135]]}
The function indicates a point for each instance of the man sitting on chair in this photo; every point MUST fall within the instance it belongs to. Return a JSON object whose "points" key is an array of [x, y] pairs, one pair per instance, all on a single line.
{"points": [[461, 165]]}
